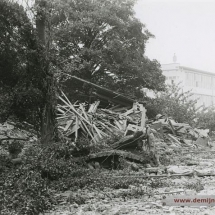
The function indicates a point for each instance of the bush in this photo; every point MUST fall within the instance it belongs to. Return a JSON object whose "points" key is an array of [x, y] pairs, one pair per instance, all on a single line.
{"points": [[206, 119], [24, 192], [25, 189], [175, 103]]}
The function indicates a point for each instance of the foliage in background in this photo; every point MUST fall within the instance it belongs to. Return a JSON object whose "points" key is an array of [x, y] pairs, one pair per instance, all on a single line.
{"points": [[175, 103], [22, 77], [206, 119], [102, 41]]}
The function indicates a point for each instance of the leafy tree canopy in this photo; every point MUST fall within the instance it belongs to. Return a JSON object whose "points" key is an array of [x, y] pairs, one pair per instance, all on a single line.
{"points": [[98, 40], [22, 77], [103, 42]]}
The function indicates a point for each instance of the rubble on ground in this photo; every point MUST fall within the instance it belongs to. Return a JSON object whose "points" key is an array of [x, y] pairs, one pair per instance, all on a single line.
{"points": [[179, 134], [136, 139], [127, 120], [12, 131], [98, 123], [140, 146], [146, 196]]}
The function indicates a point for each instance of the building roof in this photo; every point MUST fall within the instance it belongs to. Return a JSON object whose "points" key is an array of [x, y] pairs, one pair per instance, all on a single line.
{"points": [[107, 94], [170, 66], [196, 70]]}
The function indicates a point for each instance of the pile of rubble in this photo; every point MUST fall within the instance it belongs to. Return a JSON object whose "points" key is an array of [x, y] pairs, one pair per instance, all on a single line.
{"points": [[127, 119], [138, 139], [99, 123], [179, 134], [10, 131]]}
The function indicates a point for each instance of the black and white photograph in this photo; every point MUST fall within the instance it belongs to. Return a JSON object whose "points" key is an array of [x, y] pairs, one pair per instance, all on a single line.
{"points": [[107, 107]]}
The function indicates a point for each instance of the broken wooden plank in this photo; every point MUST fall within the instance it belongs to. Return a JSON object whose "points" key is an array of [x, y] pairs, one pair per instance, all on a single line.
{"points": [[128, 112], [129, 141], [126, 155], [105, 126], [119, 109], [175, 139], [117, 123], [143, 115], [97, 131], [76, 112], [93, 107], [153, 176], [83, 112], [76, 128], [132, 128], [171, 126], [113, 100], [68, 124], [88, 131]]}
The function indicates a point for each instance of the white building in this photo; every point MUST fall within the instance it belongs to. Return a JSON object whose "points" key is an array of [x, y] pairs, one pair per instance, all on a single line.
{"points": [[201, 83]]}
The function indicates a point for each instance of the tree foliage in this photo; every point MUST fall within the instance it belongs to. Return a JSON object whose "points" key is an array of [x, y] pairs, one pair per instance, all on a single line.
{"points": [[206, 119], [23, 77], [175, 103], [103, 42], [98, 40]]}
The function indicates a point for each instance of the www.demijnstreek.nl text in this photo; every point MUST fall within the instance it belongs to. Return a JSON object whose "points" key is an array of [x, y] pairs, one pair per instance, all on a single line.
{"points": [[200, 200], [195, 200]]}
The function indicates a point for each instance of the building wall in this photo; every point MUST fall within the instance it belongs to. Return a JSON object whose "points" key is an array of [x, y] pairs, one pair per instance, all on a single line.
{"points": [[173, 73], [201, 83]]}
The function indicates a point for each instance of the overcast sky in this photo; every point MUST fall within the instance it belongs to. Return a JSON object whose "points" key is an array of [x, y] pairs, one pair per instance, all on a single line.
{"points": [[186, 28]]}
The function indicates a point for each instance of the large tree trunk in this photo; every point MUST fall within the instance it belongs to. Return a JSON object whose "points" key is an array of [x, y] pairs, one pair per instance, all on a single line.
{"points": [[48, 117], [41, 6]]}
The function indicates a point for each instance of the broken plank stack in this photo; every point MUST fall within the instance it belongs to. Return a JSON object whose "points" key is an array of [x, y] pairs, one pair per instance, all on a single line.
{"points": [[97, 123]]}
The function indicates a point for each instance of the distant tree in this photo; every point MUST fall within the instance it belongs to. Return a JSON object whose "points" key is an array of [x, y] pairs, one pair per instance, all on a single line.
{"points": [[103, 42], [175, 103]]}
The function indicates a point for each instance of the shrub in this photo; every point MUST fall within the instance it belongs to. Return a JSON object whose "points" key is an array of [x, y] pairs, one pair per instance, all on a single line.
{"points": [[25, 189], [24, 192], [175, 103], [206, 119]]}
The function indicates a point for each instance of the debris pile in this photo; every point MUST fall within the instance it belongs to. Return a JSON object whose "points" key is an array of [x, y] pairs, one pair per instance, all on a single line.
{"points": [[179, 134], [138, 139], [126, 118], [10, 131], [99, 123]]}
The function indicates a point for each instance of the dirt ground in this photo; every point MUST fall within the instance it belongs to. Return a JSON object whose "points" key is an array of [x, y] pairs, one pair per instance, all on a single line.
{"points": [[112, 201]]}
